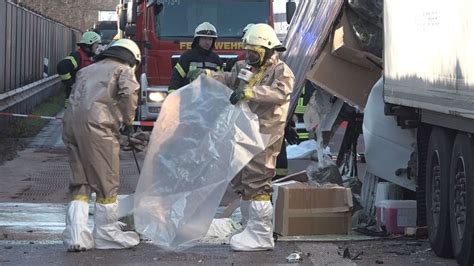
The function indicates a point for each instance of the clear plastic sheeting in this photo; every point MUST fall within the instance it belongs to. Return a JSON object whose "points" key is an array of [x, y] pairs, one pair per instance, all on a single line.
{"points": [[323, 171], [319, 106], [221, 230], [198, 144], [309, 29]]}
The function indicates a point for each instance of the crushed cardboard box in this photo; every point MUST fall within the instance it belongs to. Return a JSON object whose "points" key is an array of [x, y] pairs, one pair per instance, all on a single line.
{"points": [[345, 46], [342, 69], [301, 209]]}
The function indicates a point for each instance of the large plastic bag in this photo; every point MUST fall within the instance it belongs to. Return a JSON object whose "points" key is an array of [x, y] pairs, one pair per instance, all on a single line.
{"points": [[323, 171], [318, 107], [198, 144], [304, 150]]}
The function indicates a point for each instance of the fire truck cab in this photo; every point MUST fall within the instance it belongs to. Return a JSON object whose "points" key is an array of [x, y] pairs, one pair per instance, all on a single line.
{"points": [[164, 29]]}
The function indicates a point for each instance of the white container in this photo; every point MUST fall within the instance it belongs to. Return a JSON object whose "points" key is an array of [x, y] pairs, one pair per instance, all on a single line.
{"points": [[387, 191], [395, 215]]}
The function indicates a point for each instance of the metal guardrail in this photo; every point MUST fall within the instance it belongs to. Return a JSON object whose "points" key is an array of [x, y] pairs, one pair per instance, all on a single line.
{"points": [[24, 99], [15, 97], [30, 45]]}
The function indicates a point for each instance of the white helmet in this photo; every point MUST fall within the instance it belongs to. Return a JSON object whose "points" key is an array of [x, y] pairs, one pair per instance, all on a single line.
{"points": [[263, 35], [244, 31], [129, 45], [89, 37], [205, 29]]}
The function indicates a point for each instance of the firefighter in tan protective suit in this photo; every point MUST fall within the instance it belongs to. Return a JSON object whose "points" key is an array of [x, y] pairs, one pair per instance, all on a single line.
{"points": [[103, 98], [266, 83]]}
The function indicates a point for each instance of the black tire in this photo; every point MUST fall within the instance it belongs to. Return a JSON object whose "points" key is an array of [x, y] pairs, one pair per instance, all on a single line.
{"points": [[461, 199], [438, 162]]}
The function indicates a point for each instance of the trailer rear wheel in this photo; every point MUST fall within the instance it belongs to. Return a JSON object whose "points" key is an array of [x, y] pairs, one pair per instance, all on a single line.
{"points": [[461, 199], [437, 191]]}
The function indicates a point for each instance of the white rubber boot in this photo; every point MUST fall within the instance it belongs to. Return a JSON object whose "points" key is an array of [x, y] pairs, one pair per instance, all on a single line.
{"points": [[244, 212], [258, 234], [107, 230], [76, 236]]}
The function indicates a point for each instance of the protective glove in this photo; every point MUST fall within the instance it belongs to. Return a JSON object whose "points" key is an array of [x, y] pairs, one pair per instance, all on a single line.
{"points": [[126, 130], [236, 96], [194, 74], [291, 135]]}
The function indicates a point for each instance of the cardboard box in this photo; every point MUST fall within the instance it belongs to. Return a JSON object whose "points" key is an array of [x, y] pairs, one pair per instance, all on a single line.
{"points": [[345, 46], [304, 210], [342, 69]]}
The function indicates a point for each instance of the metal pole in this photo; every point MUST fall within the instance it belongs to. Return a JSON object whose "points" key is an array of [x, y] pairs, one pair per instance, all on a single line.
{"points": [[133, 152]]}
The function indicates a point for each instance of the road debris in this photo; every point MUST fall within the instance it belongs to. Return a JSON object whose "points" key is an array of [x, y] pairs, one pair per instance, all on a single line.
{"points": [[295, 257], [346, 254]]}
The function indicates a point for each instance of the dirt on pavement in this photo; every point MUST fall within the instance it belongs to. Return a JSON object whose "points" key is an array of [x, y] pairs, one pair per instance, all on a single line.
{"points": [[9, 148]]}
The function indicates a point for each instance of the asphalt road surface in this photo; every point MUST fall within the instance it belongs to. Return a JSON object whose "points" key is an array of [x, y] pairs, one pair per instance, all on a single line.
{"points": [[33, 195]]}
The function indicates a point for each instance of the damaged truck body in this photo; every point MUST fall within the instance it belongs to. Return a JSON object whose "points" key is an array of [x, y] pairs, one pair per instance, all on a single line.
{"points": [[416, 103]]}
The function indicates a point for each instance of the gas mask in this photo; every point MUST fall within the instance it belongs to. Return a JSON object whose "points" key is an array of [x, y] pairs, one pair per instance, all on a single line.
{"points": [[254, 55]]}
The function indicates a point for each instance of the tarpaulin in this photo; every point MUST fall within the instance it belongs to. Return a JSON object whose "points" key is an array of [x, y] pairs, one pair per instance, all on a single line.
{"points": [[198, 144]]}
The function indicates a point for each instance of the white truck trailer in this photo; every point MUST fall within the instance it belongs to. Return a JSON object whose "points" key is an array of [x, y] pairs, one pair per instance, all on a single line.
{"points": [[429, 87]]}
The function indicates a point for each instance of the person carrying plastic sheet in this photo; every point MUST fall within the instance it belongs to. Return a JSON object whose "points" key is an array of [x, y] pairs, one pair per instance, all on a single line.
{"points": [[265, 83], [200, 56], [104, 97], [82, 57]]}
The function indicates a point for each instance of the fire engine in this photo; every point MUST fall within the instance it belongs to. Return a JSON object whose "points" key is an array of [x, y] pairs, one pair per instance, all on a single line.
{"points": [[164, 29]]}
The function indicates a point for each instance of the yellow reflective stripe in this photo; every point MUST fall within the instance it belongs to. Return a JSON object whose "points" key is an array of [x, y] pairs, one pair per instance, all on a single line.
{"points": [[303, 135], [180, 69], [248, 94], [171, 90], [300, 102], [282, 171], [84, 198], [73, 61], [108, 200], [66, 76], [259, 197], [300, 109]]}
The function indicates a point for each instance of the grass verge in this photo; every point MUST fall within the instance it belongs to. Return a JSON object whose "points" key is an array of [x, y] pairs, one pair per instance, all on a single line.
{"points": [[27, 128], [12, 138]]}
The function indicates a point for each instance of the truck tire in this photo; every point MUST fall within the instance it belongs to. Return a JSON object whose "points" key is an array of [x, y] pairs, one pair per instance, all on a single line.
{"points": [[461, 199], [437, 191]]}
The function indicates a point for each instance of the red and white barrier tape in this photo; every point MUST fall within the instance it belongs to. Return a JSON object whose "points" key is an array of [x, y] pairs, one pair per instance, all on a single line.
{"points": [[30, 116], [143, 123], [135, 123]]}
